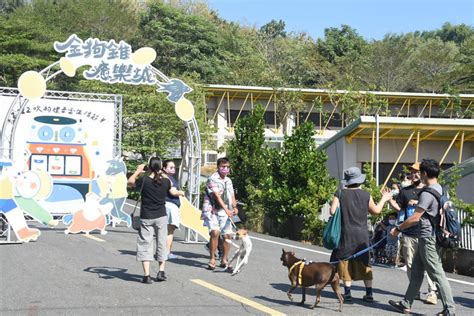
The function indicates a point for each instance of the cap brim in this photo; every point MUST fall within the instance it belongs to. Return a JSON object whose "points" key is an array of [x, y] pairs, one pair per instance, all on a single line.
{"points": [[358, 180]]}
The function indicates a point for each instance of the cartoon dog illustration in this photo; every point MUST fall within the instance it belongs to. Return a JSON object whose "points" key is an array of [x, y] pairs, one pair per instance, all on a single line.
{"points": [[113, 189], [10, 209], [90, 217], [31, 187]]}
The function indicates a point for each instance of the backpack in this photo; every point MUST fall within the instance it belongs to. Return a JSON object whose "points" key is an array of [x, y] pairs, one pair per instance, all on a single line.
{"points": [[446, 223]]}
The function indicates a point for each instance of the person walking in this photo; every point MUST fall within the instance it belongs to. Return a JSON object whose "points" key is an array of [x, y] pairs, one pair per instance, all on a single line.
{"points": [[218, 206], [153, 188], [426, 256], [172, 205], [405, 204], [355, 205]]}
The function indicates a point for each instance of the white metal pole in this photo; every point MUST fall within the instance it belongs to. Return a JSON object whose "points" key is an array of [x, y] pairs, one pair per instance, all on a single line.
{"points": [[377, 150]]}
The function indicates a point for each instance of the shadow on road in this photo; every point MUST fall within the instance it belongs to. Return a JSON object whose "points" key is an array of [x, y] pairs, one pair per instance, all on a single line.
{"points": [[296, 302], [464, 301], [185, 258], [128, 252], [328, 293], [114, 273], [192, 255]]}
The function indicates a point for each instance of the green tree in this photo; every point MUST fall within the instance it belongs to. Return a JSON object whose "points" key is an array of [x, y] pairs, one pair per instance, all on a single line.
{"points": [[339, 42], [451, 33], [387, 66], [301, 184], [274, 29], [436, 63], [184, 43], [250, 163]]}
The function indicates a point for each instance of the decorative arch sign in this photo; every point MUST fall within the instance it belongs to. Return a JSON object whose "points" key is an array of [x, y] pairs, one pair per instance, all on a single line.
{"points": [[59, 155]]}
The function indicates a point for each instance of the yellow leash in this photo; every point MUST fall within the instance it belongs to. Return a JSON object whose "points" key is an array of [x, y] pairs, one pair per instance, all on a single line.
{"points": [[300, 277]]}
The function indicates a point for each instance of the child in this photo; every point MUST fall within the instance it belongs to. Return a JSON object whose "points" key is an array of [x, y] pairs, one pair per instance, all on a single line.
{"points": [[391, 247], [380, 231]]}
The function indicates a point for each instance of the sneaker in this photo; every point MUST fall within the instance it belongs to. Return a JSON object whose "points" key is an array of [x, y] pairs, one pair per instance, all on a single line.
{"points": [[146, 279], [431, 298], [399, 307], [161, 276], [172, 256], [369, 299]]}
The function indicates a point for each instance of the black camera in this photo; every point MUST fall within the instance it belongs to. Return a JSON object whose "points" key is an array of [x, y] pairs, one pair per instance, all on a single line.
{"points": [[146, 168]]}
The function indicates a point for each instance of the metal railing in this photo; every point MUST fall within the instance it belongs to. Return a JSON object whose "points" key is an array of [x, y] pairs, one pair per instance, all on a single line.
{"points": [[467, 232]]}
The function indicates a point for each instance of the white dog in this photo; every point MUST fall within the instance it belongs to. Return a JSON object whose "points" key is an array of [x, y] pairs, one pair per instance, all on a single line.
{"points": [[242, 254]]}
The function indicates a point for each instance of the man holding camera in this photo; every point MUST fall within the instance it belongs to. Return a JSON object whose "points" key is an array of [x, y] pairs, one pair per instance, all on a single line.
{"points": [[426, 256]]}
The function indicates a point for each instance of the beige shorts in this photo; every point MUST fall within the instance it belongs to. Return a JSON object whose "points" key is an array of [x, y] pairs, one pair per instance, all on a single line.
{"points": [[354, 270]]}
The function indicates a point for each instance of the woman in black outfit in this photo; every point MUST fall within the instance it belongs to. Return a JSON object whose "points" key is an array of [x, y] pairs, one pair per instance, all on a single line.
{"points": [[154, 188], [355, 204]]}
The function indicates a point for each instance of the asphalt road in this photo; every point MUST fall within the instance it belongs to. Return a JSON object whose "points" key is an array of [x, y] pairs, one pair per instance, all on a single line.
{"points": [[79, 275]]}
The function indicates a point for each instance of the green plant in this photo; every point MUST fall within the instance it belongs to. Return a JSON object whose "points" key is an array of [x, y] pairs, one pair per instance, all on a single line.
{"points": [[371, 186], [250, 163], [301, 184]]}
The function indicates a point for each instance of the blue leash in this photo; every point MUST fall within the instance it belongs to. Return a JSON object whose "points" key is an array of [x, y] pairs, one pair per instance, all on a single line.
{"points": [[360, 252]]}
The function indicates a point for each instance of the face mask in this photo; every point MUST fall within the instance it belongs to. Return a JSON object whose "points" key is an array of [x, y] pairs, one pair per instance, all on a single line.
{"points": [[391, 222], [405, 184], [224, 171]]}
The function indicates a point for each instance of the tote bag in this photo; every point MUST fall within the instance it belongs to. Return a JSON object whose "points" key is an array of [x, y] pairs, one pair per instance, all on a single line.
{"points": [[332, 231]]}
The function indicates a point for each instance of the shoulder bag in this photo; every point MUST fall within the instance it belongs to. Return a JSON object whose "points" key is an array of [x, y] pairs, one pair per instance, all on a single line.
{"points": [[332, 231]]}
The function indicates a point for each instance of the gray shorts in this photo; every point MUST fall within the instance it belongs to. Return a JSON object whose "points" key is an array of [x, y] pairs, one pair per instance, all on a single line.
{"points": [[218, 222], [145, 245]]}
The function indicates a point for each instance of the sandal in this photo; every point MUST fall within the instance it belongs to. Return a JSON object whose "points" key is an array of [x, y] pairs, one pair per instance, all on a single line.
{"points": [[211, 266], [224, 265]]}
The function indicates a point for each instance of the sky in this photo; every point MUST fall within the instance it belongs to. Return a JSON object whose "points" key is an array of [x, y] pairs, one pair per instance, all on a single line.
{"points": [[371, 18]]}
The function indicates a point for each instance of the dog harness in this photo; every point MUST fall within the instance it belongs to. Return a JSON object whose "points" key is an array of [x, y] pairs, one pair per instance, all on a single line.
{"points": [[301, 263]]}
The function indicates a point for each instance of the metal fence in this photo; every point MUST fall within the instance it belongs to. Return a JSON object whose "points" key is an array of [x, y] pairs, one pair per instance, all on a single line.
{"points": [[467, 232]]}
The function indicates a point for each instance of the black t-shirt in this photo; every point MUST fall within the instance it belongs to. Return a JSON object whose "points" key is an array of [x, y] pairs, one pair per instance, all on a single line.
{"points": [[407, 194], [153, 197]]}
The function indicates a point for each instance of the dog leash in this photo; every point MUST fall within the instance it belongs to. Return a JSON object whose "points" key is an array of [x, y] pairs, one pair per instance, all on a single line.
{"points": [[357, 254]]}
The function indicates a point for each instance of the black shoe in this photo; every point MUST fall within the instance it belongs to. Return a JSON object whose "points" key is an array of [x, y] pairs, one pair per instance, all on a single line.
{"points": [[160, 277], [368, 298], [399, 307], [146, 279], [347, 298], [445, 312]]}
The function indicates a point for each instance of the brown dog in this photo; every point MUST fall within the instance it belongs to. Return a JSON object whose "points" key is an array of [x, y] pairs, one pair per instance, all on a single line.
{"points": [[312, 273]]}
